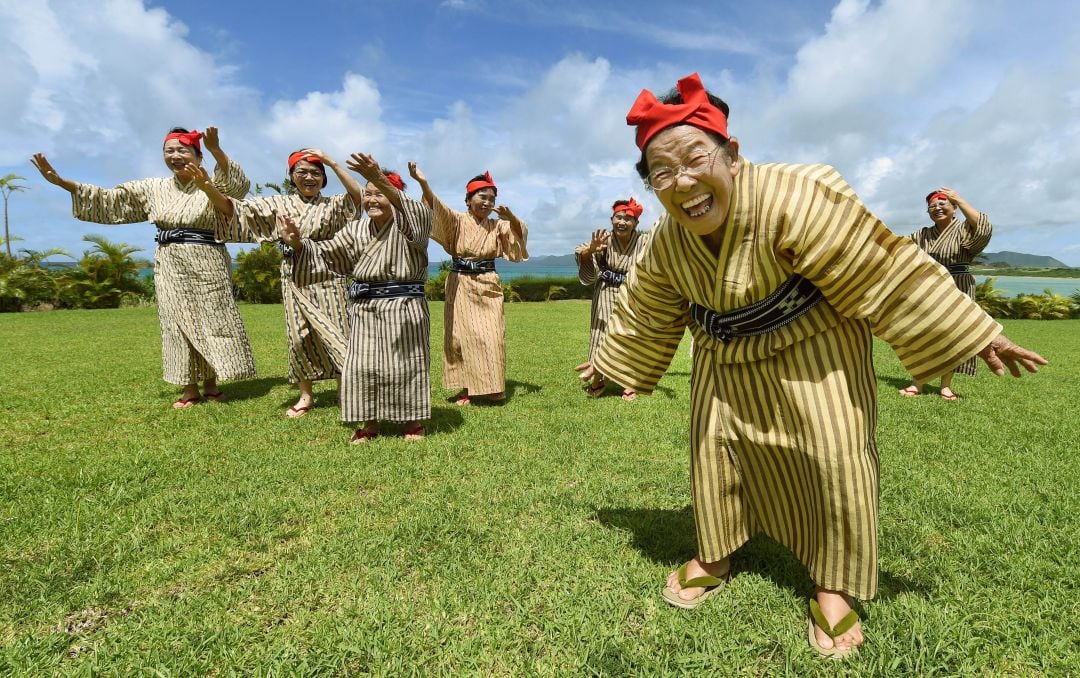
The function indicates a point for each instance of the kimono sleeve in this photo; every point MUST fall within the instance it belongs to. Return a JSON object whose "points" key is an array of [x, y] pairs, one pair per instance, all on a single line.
{"points": [[337, 255], [512, 247], [977, 235], [444, 228], [416, 222], [648, 322], [231, 181], [586, 263], [125, 204], [867, 272], [253, 220]]}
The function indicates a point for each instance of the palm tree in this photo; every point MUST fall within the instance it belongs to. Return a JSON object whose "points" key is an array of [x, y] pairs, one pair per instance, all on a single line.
{"points": [[8, 186]]}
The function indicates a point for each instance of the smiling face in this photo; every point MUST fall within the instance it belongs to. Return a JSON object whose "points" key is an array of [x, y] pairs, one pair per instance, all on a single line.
{"points": [[941, 211], [481, 203], [622, 225], [177, 155], [699, 199], [308, 178], [377, 206]]}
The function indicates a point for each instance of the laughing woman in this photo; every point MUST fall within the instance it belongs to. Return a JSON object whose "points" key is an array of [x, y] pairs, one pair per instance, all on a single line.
{"points": [[474, 344], [386, 371], [202, 335], [953, 244], [316, 306], [603, 262]]}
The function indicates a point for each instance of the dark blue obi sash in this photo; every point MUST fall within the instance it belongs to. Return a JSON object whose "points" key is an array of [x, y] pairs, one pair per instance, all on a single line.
{"points": [[472, 266], [793, 298]]}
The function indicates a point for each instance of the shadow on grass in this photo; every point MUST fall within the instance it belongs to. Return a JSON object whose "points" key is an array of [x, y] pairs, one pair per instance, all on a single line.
{"points": [[666, 536], [240, 390], [443, 420], [512, 388], [896, 383]]}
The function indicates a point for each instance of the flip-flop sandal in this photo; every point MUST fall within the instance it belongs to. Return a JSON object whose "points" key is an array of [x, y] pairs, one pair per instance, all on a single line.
{"points": [[596, 390], [629, 395], [910, 392], [416, 433], [184, 403], [295, 412], [463, 400], [950, 396], [712, 585], [362, 436], [817, 618], [217, 397]]}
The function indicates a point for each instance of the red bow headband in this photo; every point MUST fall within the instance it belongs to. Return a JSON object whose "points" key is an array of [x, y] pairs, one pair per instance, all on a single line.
{"points": [[486, 182], [300, 155], [634, 209], [650, 116], [935, 195], [395, 180], [186, 138]]}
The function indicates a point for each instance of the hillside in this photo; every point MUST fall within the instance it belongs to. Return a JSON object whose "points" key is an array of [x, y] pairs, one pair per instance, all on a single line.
{"points": [[1021, 260]]}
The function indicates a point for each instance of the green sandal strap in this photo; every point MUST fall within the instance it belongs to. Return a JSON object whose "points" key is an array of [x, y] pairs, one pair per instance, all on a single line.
{"points": [[842, 626], [705, 580]]}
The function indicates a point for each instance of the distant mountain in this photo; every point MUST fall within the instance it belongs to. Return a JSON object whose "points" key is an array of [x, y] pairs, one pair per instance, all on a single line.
{"points": [[1021, 260], [544, 261]]}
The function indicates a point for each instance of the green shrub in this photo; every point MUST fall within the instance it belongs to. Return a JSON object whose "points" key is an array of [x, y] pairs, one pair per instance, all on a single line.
{"points": [[258, 274], [107, 275], [24, 283]]}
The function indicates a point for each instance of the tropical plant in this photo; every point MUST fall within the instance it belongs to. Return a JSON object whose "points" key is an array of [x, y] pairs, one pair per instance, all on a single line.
{"points": [[258, 274], [24, 282], [1045, 306], [555, 292], [435, 288], [993, 300], [7, 187], [1075, 298], [106, 276], [510, 292]]}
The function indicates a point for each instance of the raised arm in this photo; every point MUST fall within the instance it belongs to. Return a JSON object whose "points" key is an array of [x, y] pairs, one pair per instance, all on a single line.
{"points": [[367, 167], [977, 225], [42, 164], [198, 174], [352, 186], [228, 176], [429, 196], [585, 256]]}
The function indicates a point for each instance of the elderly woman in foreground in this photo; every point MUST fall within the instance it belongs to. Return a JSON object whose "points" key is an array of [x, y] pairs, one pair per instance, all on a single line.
{"points": [[474, 342], [603, 262], [953, 244], [782, 276], [202, 335]]}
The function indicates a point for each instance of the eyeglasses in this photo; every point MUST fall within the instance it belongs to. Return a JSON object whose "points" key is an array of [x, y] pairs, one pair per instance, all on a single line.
{"points": [[304, 174], [663, 178]]}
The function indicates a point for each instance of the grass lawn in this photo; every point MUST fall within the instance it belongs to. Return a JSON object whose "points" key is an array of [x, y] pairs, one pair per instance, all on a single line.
{"points": [[531, 538]]}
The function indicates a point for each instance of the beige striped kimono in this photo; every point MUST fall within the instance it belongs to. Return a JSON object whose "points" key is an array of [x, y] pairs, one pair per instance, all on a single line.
{"points": [[958, 243], [615, 258], [782, 424], [316, 305], [386, 374], [474, 346], [202, 335]]}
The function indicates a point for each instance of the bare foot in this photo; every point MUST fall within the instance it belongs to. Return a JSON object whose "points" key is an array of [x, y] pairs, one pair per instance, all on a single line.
{"points": [[629, 395], [695, 568], [188, 398], [947, 393], [463, 399], [834, 605], [911, 391], [414, 430], [301, 408]]}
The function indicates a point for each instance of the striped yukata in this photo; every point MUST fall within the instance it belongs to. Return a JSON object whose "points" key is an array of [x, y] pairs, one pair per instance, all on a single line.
{"points": [[782, 424], [316, 303], [202, 335], [958, 243], [474, 342], [386, 372], [614, 258]]}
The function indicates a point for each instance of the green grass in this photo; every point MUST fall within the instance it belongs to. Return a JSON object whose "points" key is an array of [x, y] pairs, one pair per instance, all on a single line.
{"points": [[531, 538]]}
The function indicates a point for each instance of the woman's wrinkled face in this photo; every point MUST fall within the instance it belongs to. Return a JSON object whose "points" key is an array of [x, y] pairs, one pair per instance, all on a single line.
{"points": [[622, 224], [308, 178], [482, 203], [177, 155], [700, 196], [940, 211], [377, 205]]}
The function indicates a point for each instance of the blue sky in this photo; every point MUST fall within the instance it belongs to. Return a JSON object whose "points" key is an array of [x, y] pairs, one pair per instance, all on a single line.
{"points": [[902, 97]]}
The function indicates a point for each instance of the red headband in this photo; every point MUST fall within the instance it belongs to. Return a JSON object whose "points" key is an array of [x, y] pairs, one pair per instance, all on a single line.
{"points": [[650, 116], [937, 194], [395, 180], [301, 155], [634, 209], [186, 138], [486, 182]]}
